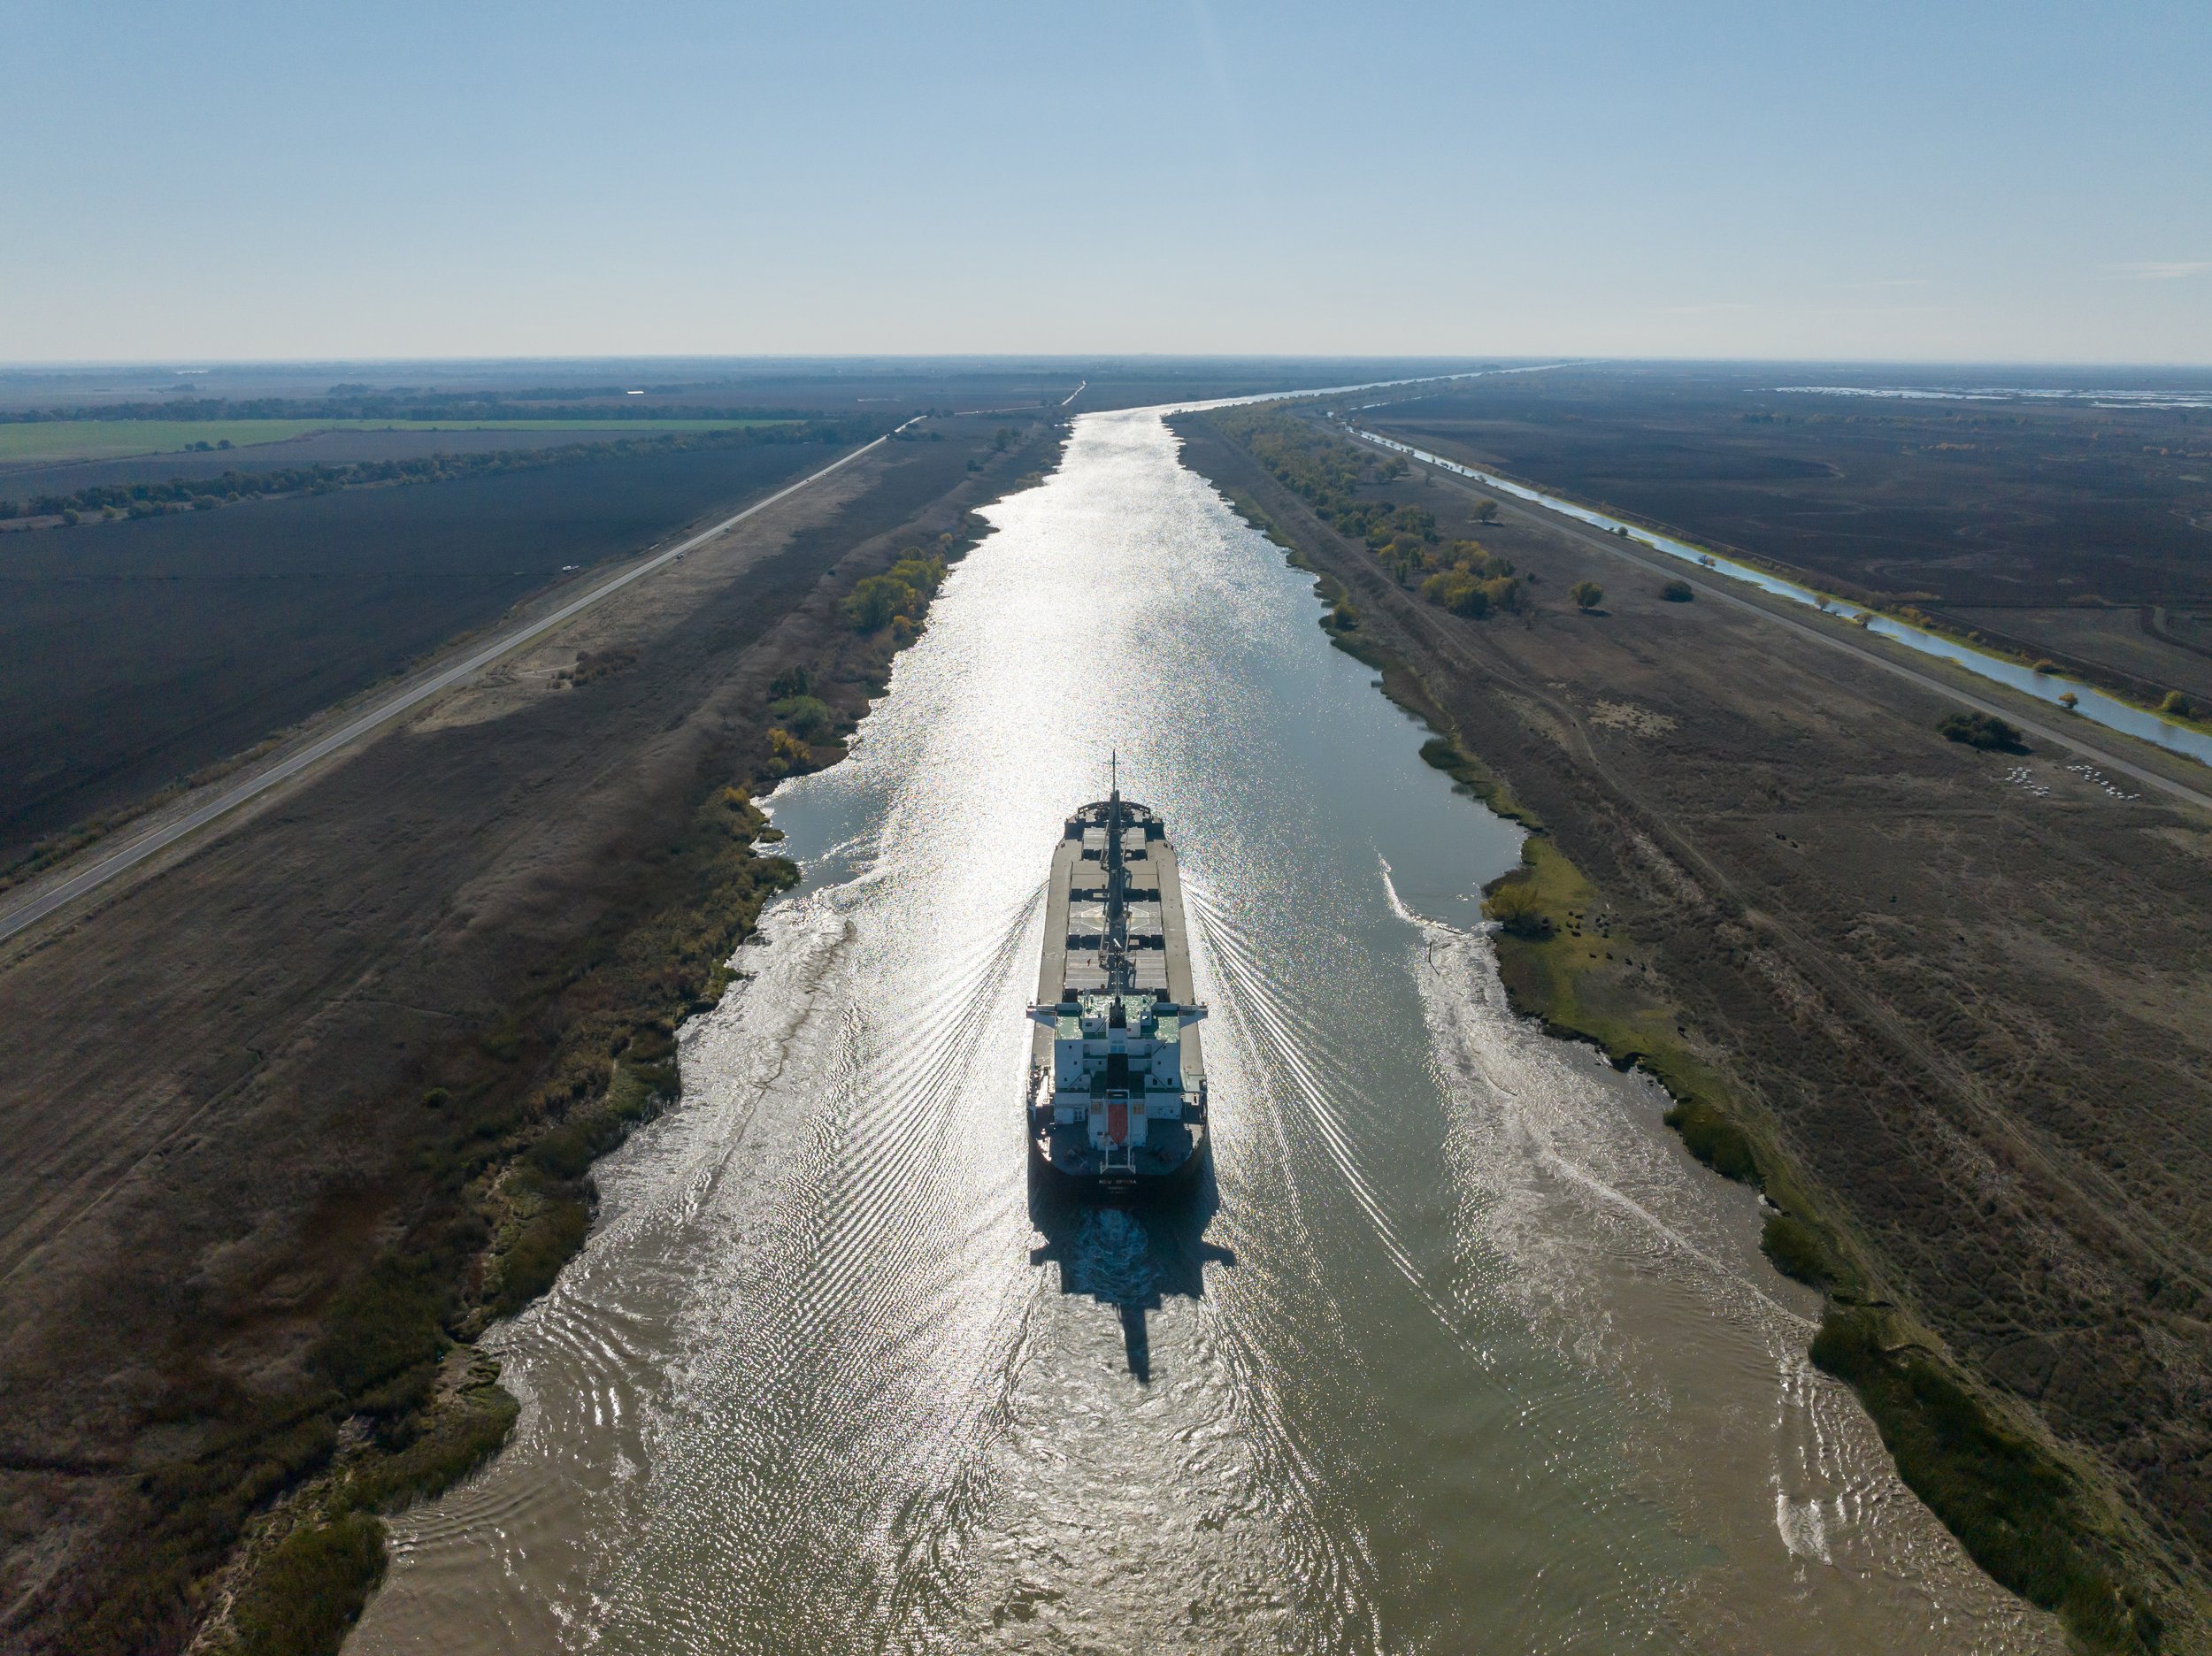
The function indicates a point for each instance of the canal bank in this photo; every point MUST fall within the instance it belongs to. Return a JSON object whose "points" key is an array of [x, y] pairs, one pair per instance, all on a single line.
{"points": [[1780, 872]]}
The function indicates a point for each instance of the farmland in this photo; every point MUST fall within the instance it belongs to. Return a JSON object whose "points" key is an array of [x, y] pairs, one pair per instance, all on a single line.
{"points": [[133, 653], [99, 440], [1970, 501]]}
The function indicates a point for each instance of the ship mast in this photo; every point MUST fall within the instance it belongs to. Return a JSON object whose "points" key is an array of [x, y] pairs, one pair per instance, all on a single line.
{"points": [[1120, 971]]}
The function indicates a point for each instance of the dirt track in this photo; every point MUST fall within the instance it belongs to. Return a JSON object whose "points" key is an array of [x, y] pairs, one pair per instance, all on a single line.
{"points": [[1979, 1016], [214, 1077]]}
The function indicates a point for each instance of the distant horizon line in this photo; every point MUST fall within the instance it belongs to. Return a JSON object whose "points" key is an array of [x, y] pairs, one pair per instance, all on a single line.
{"points": [[186, 364]]}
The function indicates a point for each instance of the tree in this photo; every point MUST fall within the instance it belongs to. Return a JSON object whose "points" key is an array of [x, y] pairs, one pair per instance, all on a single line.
{"points": [[1516, 909], [1587, 594], [1485, 511], [1678, 592], [2176, 704]]}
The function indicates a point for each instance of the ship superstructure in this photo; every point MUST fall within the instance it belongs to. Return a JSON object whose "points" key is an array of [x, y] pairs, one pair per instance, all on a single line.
{"points": [[1117, 1084]]}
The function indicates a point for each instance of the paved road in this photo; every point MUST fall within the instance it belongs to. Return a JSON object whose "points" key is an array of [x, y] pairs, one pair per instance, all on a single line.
{"points": [[37, 908], [1718, 588]]}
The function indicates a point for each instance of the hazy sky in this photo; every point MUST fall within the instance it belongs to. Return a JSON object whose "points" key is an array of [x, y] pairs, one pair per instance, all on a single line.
{"points": [[2005, 182]]}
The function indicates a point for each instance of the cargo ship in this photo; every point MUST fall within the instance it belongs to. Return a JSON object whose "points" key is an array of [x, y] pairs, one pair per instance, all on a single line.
{"points": [[1117, 1098]]}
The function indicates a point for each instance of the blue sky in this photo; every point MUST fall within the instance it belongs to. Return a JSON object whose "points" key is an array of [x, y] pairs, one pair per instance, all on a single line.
{"points": [[2016, 182]]}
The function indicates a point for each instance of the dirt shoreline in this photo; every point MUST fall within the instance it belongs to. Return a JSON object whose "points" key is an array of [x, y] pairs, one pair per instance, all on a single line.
{"points": [[1957, 1028], [291, 1119]]}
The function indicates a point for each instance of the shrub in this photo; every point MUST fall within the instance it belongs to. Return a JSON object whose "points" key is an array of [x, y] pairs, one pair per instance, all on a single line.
{"points": [[790, 682], [1587, 594], [1517, 909], [1796, 1249], [312, 1588], [2069, 700], [2176, 704], [2046, 667], [1984, 731], [388, 1320], [904, 589], [787, 754], [1458, 591], [875, 600], [536, 1256], [1715, 1140], [805, 716], [1678, 592]]}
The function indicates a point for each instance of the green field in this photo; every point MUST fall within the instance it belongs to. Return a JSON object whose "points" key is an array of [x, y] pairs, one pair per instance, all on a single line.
{"points": [[108, 439]]}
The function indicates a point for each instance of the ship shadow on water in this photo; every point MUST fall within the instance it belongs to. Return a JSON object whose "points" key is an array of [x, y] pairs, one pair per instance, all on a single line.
{"points": [[1133, 1258]]}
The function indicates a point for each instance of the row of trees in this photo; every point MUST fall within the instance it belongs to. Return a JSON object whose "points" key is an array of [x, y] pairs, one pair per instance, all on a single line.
{"points": [[1458, 575], [1327, 474]]}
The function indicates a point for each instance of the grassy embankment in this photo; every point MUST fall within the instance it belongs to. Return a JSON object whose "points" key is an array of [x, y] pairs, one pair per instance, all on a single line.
{"points": [[401, 1406], [2022, 1513]]}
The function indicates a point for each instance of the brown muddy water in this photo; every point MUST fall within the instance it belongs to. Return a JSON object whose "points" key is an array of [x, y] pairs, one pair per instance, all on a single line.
{"points": [[1458, 1351]]}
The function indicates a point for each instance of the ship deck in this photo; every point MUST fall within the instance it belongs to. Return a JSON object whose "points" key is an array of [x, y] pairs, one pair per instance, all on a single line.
{"points": [[1074, 920]]}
